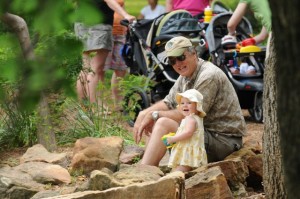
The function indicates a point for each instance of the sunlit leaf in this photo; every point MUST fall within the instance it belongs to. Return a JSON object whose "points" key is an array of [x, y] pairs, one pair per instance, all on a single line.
{"points": [[25, 6]]}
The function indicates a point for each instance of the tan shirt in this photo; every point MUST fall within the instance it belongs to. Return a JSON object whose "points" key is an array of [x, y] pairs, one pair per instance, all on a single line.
{"points": [[220, 102]]}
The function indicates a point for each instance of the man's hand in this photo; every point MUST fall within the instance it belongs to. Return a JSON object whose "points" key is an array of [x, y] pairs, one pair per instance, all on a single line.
{"points": [[143, 124]]}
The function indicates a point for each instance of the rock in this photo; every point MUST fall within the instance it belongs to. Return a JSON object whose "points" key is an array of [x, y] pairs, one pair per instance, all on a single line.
{"points": [[45, 173], [254, 163], [167, 187], [210, 183], [96, 153], [235, 171], [17, 184], [101, 181], [45, 194], [138, 173], [38, 153], [131, 154], [20, 192], [109, 178]]}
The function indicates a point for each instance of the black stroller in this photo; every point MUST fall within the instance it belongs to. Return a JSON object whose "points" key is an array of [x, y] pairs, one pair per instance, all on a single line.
{"points": [[144, 54], [249, 87]]}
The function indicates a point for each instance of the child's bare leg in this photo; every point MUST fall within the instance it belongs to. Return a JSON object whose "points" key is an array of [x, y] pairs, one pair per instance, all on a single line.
{"points": [[183, 168]]}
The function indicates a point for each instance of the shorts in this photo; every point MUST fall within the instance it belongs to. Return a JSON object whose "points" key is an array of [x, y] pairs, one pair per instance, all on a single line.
{"points": [[219, 146], [114, 59], [94, 37]]}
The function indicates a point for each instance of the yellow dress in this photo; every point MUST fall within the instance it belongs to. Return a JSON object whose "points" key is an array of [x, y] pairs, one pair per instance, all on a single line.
{"points": [[189, 152]]}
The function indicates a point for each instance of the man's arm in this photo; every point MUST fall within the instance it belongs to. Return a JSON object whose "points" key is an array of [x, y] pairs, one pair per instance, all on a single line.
{"points": [[145, 122]]}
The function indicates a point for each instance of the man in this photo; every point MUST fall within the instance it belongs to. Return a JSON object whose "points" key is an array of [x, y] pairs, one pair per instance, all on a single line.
{"points": [[224, 123]]}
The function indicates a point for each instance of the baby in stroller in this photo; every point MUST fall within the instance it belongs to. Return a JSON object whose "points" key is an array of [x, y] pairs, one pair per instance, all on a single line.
{"points": [[144, 54]]}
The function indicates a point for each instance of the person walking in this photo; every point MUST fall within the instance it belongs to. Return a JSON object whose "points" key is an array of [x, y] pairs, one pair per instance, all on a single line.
{"points": [[114, 61], [98, 41]]}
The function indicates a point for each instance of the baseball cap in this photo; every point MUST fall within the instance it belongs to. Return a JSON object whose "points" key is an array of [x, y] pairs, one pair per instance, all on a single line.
{"points": [[194, 96], [176, 46]]}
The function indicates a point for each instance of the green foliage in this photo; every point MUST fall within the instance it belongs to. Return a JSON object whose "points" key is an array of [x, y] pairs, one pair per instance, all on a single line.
{"points": [[54, 69], [17, 127], [91, 121], [131, 81], [134, 7], [230, 3]]}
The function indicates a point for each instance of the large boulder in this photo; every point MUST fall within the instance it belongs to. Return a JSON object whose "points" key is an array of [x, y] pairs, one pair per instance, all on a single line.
{"points": [[96, 153]]}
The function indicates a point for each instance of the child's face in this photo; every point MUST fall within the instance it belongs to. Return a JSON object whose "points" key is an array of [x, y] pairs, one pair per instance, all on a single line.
{"points": [[187, 107]]}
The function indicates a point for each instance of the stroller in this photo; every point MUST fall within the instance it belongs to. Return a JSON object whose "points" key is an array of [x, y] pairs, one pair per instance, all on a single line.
{"points": [[249, 87], [144, 54]]}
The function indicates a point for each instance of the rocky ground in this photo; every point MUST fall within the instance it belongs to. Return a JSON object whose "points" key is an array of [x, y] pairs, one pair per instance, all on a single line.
{"points": [[12, 157], [254, 132]]}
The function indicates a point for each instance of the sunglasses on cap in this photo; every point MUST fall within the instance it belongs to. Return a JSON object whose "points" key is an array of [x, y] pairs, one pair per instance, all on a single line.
{"points": [[172, 60]]}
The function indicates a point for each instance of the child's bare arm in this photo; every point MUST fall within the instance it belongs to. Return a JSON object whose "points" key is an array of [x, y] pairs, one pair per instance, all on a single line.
{"points": [[188, 131]]}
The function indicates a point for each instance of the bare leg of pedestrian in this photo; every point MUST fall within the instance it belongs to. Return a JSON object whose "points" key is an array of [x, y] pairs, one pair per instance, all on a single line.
{"points": [[116, 92], [93, 64]]}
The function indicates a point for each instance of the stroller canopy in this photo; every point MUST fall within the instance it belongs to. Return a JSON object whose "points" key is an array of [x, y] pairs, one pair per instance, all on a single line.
{"points": [[179, 21], [217, 29]]}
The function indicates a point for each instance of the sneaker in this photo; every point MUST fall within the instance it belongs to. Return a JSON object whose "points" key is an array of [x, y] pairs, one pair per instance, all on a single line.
{"points": [[229, 42]]}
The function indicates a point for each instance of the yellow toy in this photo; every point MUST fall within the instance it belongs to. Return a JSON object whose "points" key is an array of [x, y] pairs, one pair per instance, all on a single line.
{"points": [[164, 139]]}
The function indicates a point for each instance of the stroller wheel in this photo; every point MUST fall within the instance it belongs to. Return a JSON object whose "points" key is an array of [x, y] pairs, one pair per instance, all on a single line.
{"points": [[134, 101], [257, 111]]}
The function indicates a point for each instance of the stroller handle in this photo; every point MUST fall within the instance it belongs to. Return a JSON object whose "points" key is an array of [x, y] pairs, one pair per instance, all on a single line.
{"points": [[124, 22]]}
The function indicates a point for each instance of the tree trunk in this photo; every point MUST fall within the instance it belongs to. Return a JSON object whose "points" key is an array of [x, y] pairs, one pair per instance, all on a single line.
{"points": [[286, 30], [19, 26], [286, 27], [272, 159], [45, 135]]}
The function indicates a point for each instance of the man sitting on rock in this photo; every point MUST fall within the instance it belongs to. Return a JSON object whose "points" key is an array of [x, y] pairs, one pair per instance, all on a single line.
{"points": [[224, 123]]}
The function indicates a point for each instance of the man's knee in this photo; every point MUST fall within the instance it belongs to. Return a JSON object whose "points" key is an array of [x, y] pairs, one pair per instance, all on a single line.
{"points": [[166, 125]]}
